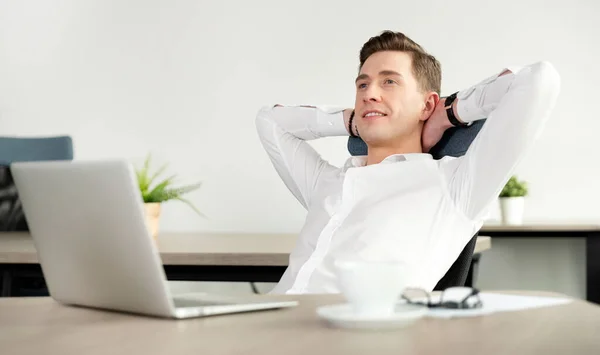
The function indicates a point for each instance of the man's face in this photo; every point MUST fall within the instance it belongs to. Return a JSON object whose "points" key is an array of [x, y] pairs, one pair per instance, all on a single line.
{"points": [[389, 104]]}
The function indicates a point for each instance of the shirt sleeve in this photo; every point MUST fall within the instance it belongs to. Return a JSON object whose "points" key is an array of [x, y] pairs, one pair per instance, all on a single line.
{"points": [[517, 106], [284, 132]]}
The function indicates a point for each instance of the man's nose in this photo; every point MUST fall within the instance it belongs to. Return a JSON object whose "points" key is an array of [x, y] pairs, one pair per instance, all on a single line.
{"points": [[372, 94]]}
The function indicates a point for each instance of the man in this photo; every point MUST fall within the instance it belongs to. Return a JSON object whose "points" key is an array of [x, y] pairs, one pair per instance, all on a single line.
{"points": [[397, 203]]}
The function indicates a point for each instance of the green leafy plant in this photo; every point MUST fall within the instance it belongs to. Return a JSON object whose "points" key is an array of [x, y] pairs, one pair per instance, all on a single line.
{"points": [[514, 188], [163, 190]]}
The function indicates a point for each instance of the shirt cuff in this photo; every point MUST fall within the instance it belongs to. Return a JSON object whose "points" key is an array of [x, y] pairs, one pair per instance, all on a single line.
{"points": [[330, 121]]}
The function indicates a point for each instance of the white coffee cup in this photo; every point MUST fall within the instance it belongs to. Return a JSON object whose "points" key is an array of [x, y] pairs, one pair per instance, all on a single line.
{"points": [[371, 287]]}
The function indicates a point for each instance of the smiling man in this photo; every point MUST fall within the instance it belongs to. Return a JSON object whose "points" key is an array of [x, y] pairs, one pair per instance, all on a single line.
{"points": [[398, 203]]}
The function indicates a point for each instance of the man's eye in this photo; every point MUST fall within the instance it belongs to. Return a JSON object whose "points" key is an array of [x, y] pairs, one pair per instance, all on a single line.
{"points": [[389, 81], [362, 86]]}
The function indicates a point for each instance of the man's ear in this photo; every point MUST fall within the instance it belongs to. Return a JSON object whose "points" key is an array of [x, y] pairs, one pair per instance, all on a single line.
{"points": [[431, 100]]}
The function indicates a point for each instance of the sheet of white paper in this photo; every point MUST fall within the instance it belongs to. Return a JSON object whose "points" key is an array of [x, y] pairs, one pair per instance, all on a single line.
{"points": [[494, 302]]}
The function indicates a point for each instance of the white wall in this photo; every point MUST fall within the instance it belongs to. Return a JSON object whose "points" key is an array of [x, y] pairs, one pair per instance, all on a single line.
{"points": [[183, 79]]}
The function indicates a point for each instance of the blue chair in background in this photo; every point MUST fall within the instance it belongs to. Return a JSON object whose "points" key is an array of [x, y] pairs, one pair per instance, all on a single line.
{"points": [[16, 149], [455, 142], [12, 150]]}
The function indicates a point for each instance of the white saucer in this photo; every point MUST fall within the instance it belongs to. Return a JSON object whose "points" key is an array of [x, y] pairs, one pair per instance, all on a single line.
{"points": [[343, 316]]}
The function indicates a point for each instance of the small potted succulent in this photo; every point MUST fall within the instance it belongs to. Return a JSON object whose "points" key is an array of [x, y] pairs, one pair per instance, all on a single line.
{"points": [[155, 191], [512, 201]]}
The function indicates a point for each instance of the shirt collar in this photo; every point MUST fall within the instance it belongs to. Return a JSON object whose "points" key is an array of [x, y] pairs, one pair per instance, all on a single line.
{"points": [[361, 160]]}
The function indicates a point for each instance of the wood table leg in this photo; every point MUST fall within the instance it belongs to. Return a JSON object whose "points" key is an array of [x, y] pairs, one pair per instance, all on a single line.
{"points": [[6, 284]]}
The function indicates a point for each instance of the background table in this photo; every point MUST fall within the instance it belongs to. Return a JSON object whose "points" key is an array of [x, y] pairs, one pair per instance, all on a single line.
{"points": [[186, 256], [41, 326], [590, 232]]}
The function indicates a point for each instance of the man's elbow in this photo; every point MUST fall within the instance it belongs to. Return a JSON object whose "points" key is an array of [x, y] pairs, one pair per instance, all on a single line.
{"points": [[545, 78], [263, 118]]}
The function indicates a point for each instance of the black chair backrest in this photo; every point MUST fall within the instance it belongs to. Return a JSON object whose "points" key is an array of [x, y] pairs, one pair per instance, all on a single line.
{"points": [[458, 272], [455, 142]]}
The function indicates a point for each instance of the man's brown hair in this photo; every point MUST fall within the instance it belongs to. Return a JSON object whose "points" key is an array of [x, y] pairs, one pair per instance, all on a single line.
{"points": [[426, 69]]}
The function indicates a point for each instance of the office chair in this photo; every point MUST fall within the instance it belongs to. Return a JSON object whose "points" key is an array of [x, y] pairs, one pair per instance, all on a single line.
{"points": [[12, 218], [17, 149], [13, 149], [455, 142]]}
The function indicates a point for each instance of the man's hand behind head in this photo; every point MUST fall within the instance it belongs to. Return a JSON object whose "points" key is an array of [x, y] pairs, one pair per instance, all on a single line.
{"points": [[435, 126]]}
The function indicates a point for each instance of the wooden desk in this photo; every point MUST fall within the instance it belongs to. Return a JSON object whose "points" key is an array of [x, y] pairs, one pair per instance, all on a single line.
{"points": [[41, 326], [590, 232], [195, 248], [188, 256], [541, 230]]}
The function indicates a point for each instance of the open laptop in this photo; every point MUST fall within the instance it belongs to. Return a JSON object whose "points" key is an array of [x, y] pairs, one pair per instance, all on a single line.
{"points": [[88, 225]]}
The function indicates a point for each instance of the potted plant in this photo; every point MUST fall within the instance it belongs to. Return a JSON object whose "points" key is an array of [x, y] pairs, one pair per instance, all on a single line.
{"points": [[512, 201], [155, 191]]}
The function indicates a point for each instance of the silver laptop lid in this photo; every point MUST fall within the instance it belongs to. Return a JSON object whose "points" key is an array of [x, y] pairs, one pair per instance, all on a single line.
{"points": [[88, 226]]}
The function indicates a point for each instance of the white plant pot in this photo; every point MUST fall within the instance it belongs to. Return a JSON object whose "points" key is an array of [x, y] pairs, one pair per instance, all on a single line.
{"points": [[152, 218], [512, 209]]}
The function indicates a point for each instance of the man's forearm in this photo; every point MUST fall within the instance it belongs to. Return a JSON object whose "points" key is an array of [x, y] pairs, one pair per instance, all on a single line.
{"points": [[309, 122], [493, 99], [477, 102]]}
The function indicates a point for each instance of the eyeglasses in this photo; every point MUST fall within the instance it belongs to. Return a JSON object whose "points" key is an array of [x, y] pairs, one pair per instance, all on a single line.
{"points": [[451, 298]]}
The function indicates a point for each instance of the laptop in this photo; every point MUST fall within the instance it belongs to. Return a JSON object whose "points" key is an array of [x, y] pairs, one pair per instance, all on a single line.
{"points": [[87, 222]]}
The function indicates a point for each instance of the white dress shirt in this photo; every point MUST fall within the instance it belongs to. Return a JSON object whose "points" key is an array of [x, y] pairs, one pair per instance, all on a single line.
{"points": [[409, 208]]}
